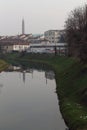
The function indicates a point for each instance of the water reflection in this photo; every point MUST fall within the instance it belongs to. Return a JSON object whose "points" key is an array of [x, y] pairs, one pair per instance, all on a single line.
{"points": [[48, 74], [27, 102], [1, 86], [14, 68]]}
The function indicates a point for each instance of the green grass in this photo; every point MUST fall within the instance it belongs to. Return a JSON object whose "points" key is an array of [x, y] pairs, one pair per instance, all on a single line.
{"points": [[71, 79]]}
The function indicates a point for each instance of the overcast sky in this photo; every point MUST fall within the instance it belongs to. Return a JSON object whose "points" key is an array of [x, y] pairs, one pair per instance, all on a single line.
{"points": [[39, 15]]}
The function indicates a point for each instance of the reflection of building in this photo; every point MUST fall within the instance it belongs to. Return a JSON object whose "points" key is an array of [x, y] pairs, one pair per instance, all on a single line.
{"points": [[24, 74], [14, 68], [20, 69], [50, 75], [1, 86], [29, 70]]}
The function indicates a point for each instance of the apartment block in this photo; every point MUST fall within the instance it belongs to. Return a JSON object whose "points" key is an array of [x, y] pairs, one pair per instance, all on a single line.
{"points": [[54, 36]]}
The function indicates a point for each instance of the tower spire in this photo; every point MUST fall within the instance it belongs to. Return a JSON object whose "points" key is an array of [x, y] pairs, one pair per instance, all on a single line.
{"points": [[23, 27]]}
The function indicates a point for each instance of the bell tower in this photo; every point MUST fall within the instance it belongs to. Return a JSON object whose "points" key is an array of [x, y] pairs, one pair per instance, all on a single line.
{"points": [[23, 27]]}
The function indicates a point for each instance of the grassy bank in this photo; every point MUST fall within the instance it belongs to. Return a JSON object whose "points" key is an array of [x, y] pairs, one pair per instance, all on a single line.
{"points": [[71, 79], [3, 65]]}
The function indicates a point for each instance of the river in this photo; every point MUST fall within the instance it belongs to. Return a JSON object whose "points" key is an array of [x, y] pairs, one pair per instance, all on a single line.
{"points": [[28, 100]]}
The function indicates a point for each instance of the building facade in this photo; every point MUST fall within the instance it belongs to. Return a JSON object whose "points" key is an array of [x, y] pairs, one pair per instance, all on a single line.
{"points": [[54, 35], [12, 46]]}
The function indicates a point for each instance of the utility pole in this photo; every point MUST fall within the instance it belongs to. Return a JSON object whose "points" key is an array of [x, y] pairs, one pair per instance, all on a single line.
{"points": [[55, 49]]}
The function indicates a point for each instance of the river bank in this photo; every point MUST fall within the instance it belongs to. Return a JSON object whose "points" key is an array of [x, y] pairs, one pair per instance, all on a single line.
{"points": [[3, 65], [71, 79]]}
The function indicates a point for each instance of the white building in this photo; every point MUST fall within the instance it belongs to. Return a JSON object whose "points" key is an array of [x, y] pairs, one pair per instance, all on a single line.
{"points": [[53, 35], [9, 46], [61, 48]]}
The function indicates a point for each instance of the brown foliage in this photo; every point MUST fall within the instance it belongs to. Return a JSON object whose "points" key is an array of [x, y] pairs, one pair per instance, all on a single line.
{"points": [[76, 33]]}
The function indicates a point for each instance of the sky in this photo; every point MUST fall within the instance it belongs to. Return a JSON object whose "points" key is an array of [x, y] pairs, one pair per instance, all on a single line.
{"points": [[39, 15]]}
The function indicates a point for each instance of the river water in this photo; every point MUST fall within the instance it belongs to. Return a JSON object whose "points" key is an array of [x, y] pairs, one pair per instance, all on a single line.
{"points": [[28, 100]]}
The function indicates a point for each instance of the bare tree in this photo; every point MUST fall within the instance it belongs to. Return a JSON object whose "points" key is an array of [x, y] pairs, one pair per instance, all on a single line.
{"points": [[76, 33]]}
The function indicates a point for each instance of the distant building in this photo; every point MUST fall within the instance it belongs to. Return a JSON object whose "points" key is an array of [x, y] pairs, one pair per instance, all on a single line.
{"points": [[54, 36], [45, 47], [9, 45]]}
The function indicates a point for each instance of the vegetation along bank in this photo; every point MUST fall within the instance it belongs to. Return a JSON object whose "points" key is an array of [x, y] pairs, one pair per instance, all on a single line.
{"points": [[71, 79], [3, 65]]}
